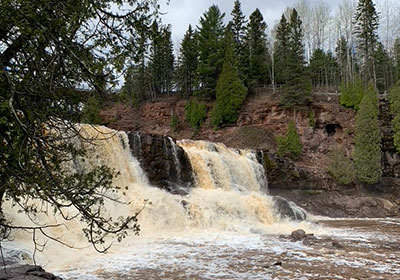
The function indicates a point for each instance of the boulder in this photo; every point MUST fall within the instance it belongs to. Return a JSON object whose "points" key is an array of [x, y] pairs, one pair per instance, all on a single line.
{"points": [[288, 209], [298, 235], [26, 272]]}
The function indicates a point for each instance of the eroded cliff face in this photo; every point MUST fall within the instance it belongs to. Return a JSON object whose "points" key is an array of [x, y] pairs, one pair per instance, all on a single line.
{"points": [[262, 119]]}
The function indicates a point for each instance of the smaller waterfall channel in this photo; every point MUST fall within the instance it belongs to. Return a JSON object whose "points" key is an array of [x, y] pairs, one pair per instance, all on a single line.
{"points": [[208, 214]]}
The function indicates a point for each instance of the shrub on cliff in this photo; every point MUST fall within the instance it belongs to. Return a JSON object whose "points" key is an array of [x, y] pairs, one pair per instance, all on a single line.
{"points": [[351, 93], [290, 144], [174, 122], [230, 90], [367, 154], [394, 97], [340, 167], [195, 114]]}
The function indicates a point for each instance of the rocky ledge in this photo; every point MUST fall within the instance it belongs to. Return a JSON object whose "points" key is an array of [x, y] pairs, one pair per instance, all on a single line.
{"points": [[165, 163], [26, 272]]}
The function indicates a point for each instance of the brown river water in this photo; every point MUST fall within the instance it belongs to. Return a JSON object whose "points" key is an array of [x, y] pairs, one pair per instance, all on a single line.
{"points": [[227, 227]]}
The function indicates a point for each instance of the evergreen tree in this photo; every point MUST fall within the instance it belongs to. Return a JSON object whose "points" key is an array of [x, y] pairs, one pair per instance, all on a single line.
{"points": [[367, 153], [385, 68], [297, 87], [351, 93], [161, 60], [211, 54], [290, 144], [344, 59], [188, 61], [281, 49], [230, 90], [49, 50], [168, 60], [156, 60], [396, 52], [340, 167], [317, 68], [323, 69], [256, 42], [195, 114], [366, 27], [394, 98], [238, 25]]}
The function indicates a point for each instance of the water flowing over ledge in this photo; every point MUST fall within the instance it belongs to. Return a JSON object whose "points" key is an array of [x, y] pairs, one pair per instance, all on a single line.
{"points": [[210, 188]]}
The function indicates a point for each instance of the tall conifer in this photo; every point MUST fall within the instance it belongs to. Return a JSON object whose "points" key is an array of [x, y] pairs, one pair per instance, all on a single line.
{"points": [[210, 46], [281, 49], [366, 21], [297, 87], [256, 42], [367, 153], [238, 25], [188, 61], [230, 90]]}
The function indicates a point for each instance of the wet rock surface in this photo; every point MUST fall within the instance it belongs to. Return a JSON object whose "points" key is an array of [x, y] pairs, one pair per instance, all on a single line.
{"points": [[298, 235], [166, 164], [288, 209], [26, 272], [341, 205]]}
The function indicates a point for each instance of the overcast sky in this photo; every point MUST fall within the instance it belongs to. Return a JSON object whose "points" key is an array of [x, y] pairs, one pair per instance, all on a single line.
{"points": [[181, 13]]}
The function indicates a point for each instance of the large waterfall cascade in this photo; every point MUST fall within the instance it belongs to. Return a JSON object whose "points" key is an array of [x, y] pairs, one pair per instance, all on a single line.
{"points": [[230, 192]]}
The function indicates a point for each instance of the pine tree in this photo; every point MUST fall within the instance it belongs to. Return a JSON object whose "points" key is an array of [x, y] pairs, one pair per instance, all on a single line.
{"points": [[394, 98], [256, 42], [238, 25], [345, 60], [318, 67], [49, 50], [297, 87], [211, 54], [188, 61], [340, 166], [385, 68], [156, 60], [396, 57], [161, 60], [168, 60], [281, 49], [367, 153], [290, 144], [137, 81], [230, 91], [351, 93], [323, 69], [366, 27]]}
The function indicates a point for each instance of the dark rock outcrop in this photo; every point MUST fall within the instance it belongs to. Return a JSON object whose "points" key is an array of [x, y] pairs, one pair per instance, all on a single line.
{"points": [[288, 209], [26, 272], [339, 205], [283, 174], [298, 235], [166, 164]]}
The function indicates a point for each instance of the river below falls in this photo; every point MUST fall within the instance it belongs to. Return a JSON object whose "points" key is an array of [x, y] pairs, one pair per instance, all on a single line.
{"points": [[368, 249]]}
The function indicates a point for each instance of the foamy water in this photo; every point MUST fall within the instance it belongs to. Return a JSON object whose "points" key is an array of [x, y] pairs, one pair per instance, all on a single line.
{"points": [[225, 228]]}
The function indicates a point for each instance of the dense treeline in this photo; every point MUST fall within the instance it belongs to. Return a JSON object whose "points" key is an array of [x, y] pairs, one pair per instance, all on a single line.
{"points": [[297, 57], [226, 62]]}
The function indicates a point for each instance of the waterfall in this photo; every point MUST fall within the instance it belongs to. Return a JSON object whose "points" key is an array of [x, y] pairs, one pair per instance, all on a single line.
{"points": [[217, 166], [229, 194], [174, 153]]}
